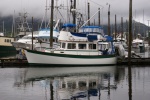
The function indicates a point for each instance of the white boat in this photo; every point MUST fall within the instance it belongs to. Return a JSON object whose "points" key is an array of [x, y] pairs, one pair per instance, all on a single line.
{"points": [[87, 48], [25, 41], [138, 42], [43, 39], [121, 39], [40, 39]]}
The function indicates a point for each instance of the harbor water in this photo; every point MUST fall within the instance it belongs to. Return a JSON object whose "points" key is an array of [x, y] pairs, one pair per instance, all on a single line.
{"points": [[76, 83]]}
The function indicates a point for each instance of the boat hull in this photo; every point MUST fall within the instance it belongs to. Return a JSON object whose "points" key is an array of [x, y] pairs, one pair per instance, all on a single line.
{"points": [[44, 58]]}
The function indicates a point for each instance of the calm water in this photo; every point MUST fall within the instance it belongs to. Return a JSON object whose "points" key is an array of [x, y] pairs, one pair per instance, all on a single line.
{"points": [[83, 83]]}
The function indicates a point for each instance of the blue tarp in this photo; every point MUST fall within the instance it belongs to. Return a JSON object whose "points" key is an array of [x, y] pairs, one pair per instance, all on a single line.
{"points": [[68, 25], [92, 37], [109, 38], [78, 34], [92, 27]]}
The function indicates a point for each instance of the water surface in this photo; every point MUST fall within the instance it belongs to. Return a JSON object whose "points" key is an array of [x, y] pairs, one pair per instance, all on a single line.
{"points": [[84, 83]]}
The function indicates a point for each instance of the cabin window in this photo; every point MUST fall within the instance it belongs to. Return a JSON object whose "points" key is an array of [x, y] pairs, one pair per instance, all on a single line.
{"points": [[9, 40], [63, 45], [5, 40], [87, 30], [92, 84], [63, 85], [82, 46], [96, 30], [46, 40], [92, 46], [103, 46], [56, 40], [82, 84], [71, 85], [71, 46]]}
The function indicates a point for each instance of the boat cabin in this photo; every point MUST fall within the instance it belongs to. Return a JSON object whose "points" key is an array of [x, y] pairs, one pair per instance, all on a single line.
{"points": [[84, 48]]}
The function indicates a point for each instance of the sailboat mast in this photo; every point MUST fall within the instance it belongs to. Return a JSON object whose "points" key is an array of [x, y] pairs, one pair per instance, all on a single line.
{"points": [[13, 25], [88, 13], [46, 15], [109, 20], [74, 13], [3, 27], [99, 17], [51, 24]]}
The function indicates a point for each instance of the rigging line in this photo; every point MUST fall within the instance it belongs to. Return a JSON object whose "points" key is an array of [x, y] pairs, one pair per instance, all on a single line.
{"points": [[61, 15], [96, 3]]}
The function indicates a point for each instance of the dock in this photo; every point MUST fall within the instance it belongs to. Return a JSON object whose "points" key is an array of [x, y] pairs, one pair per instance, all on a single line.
{"points": [[18, 63], [134, 61], [23, 63]]}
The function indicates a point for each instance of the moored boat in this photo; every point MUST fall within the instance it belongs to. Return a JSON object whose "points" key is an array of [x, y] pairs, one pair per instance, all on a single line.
{"points": [[77, 49], [6, 48]]}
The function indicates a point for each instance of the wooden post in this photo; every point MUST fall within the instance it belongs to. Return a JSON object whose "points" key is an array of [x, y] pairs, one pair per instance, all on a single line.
{"points": [[32, 33], [130, 32], [51, 24]]}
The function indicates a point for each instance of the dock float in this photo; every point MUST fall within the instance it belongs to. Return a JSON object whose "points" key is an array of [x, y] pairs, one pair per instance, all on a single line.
{"points": [[23, 63], [134, 61], [13, 63]]}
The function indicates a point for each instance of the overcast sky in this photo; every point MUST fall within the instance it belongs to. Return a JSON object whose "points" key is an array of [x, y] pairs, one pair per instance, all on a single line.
{"points": [[36, 8]]}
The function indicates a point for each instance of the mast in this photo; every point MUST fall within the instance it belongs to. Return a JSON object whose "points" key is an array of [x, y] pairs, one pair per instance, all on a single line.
{"points": [[99, 19], [109, 20], [3, 28], [32, 33], [74, 13], [46, 14], [130, 32], [121, 28], [13, 25], [115, 27], [88, 13], [73, 10], [143, 26], [51, 24]]}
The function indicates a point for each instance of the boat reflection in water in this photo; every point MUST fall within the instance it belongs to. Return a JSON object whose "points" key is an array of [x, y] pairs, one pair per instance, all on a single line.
{"points": [[72, 82]]}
